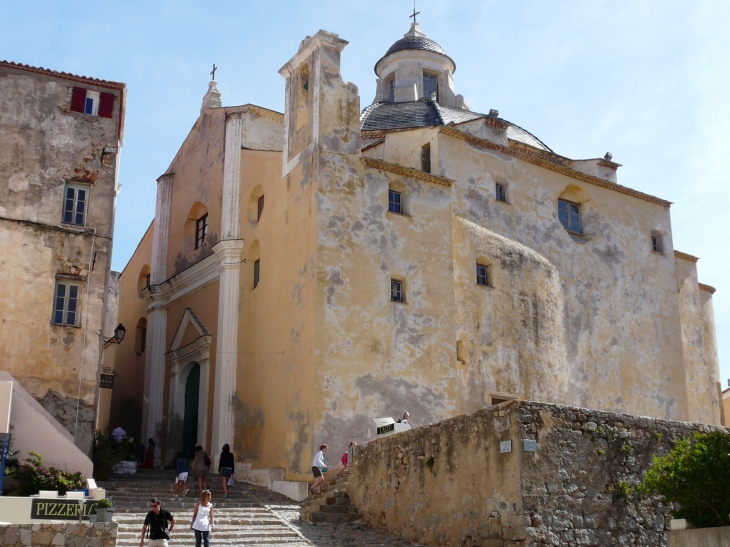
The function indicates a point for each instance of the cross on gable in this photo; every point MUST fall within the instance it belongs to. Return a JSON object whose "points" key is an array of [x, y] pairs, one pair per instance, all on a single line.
{"points": [[212, 73]]}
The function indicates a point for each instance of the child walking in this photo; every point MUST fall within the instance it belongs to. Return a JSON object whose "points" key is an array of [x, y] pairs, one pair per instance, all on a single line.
{"points": [[181, 468], [202, 519]]}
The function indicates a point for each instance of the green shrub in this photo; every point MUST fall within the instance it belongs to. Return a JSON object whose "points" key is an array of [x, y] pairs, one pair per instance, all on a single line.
{"points": [[695, 475], [104, 504], [33, 477], [622, 489], [108, 452]]}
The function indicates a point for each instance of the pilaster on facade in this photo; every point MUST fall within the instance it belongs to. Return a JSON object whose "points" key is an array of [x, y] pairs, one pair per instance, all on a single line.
{"points": [[162, 228], [232, 177], [154, 377], [230, 252]]}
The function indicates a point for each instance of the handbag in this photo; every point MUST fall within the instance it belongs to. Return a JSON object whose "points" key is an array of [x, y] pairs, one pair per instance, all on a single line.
{"points": [[323, 469], [230, 481], [206, 459]]}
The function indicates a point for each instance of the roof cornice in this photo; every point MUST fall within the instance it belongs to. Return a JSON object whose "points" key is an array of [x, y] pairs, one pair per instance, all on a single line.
{"points": [[685, 256], [63, 75], [550, 161], [708, 288], [405, 171]]}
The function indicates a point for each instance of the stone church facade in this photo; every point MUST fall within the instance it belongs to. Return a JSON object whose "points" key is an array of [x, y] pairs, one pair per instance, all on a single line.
{"points": [[60, 135], [307, 272]]}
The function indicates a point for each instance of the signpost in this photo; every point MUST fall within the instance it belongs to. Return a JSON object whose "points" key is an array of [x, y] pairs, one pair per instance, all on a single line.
{"points": [[6, 395]]}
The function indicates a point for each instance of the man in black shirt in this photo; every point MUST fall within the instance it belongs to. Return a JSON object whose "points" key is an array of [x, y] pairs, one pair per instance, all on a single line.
{"points": [[157, 520]]}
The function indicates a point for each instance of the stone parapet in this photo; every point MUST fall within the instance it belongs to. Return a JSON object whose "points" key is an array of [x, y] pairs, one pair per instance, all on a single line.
{"points": [[59, 535], [475, 479]]}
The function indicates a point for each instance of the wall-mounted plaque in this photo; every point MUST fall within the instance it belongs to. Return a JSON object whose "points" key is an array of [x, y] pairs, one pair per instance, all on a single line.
{"points": [[529, 445], [505, 446], [107, 381]]}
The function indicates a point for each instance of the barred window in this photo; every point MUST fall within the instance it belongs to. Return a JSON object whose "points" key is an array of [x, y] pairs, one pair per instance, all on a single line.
{"points": [[391, 90], [66, 303]]}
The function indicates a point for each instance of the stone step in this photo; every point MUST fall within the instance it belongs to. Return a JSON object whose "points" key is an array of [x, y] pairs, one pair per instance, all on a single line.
{"points": [[335, 508], [334, 518], [234, 533]]}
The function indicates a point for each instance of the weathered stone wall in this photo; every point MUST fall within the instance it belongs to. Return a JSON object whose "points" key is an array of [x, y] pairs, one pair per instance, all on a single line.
{"points": [[448, 484], [43, 145], [59, 535]]}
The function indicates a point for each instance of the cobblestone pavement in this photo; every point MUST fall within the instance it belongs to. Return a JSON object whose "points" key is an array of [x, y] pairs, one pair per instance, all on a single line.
{"points": [[336, 535]]}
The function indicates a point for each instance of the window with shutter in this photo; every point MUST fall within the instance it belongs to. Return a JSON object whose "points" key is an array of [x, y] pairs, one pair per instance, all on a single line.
{"points": [[106, 105], [78, 99]]}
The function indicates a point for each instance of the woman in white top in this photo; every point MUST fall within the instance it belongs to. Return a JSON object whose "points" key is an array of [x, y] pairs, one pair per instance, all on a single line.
{"points": [[202, 519], [318, 470]]}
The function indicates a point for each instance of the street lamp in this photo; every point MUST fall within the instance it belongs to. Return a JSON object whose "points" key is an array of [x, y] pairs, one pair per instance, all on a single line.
{"points": [[119, 333]]}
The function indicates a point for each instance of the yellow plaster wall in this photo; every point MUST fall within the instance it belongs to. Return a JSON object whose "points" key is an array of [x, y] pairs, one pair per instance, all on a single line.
{"points": [[621, 320], [126, 400], [198, 169], [702, 373], [276, 329]]}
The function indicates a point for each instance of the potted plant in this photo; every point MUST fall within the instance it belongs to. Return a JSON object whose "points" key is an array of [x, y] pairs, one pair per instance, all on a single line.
{"points": [[104, 511]]}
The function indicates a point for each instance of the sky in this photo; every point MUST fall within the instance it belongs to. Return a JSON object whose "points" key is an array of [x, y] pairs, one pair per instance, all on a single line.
{"points": [[647, 80]]}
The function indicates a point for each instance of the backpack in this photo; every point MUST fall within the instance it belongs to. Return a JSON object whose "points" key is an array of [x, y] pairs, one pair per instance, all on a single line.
{"points": [[206, 459]]}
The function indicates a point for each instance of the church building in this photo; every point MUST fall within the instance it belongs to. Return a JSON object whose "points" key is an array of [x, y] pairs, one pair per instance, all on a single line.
{"points": [[309, 271]]}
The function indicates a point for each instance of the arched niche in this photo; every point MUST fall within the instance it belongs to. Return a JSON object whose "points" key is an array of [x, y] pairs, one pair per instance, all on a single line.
{"points": [[255, 205], [143, 280], [196, 213]]}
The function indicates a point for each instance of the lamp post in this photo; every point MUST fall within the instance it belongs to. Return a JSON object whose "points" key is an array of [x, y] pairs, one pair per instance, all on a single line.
{"points": [[119, 333]]}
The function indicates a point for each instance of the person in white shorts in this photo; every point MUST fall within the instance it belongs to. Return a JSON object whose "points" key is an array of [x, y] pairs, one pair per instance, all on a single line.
{"points": [[181, 468]]}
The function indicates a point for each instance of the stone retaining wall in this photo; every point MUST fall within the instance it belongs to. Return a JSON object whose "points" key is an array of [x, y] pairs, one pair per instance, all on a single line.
{"points": [[59, 535], [449, 484]]}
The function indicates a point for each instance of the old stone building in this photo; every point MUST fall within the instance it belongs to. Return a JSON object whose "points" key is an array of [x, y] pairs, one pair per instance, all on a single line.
{"points": [[60, 136], [307, 272]]}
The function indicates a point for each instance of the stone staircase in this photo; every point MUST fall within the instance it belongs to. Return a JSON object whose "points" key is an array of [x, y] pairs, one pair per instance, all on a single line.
{"points": [[246, 518], [332, 506]]}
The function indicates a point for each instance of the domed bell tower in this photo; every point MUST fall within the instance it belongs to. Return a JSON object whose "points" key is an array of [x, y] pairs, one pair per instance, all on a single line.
{"points": [[416, 67]]}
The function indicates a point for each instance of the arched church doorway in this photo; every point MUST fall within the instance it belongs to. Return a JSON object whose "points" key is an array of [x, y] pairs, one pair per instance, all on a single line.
{"points": [[190, 420]]}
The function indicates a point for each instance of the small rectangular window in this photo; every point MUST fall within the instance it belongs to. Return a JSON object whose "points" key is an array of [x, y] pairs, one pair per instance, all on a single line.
{"points": [[74, 204], [396, 291], [426, 158], [260, 207], [391, 90], [569, 214], [66, 304], [201, 230], [482, 274], [395, 202], [499, 188], [256, 273], [431, 87], [657, 245]]}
